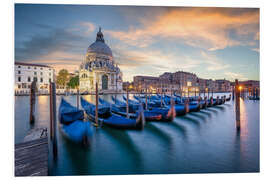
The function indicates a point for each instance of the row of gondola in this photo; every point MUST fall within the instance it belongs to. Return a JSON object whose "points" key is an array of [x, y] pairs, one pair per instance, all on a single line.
{"points": [[76, 127]]}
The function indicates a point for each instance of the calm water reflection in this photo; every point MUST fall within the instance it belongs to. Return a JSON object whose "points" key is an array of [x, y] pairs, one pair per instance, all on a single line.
{"points": [[206, 141]]}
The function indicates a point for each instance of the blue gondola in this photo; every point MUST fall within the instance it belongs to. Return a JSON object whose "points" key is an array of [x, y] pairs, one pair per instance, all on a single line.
{"points": [[113, 120], [132, 108], [168, 113], [72, 123], [229, 98], [153, 114], [179, 107]]}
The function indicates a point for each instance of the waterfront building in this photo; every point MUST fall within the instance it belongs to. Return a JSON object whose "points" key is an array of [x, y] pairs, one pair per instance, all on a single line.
{"points": [[223, 85], [154, 84], [26, 73], [99, 66], [181, 82], [250, 84]]}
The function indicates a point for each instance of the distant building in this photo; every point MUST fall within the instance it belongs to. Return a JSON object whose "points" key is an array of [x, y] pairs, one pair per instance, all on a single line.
{"points": [[223, 85], [99, 67], [128, 85], [26, 73], [250, 84], [180, 81]]}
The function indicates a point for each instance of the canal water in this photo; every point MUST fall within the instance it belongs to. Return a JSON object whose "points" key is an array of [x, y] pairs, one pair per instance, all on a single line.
{"points": [[200, 142]]}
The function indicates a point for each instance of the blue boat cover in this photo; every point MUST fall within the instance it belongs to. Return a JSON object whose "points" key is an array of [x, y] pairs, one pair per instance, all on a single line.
{"points": [[68, 113], [77, 130], [91, 108], [117, 120]]}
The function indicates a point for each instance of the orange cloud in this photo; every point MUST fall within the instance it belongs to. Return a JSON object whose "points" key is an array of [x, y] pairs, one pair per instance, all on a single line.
{"points": [[199, 27]]}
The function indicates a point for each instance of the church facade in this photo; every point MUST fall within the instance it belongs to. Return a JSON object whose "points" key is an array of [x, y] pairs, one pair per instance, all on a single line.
{"points": [[99, 66]]}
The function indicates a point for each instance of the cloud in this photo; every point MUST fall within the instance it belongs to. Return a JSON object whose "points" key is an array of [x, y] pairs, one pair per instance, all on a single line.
{"points": [[40, 44], [90, 27], [212, 62], [233, 76], [207, 28], [256, 50]]}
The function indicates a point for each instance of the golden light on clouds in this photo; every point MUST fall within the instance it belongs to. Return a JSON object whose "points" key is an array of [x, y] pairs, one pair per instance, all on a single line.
{"points": [[206, 28]]}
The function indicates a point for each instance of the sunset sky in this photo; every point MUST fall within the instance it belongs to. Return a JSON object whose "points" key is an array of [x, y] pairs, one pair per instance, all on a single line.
{"points": [[210, 42]]}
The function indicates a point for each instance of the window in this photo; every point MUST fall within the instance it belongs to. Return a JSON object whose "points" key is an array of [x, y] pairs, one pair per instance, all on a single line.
{"points": [[35, 78], [29, 67], [19, 79], [50, 80], [29, 79], [19, 86], [35, 73], [49, 74], [41, 68], [112, 79], [19, 72], [19, 66], [84, 75], [41, 79], [41, 73], [35, 67]]}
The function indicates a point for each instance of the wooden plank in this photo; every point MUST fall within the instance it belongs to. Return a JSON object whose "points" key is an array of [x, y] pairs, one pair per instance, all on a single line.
{"points": [[31, 143], [31, 158]]}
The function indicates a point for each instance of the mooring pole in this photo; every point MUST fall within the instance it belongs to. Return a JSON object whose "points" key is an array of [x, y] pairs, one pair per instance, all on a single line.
{"points": [[53, 117], [127, 110], [237, 104], [51, 111], [233, 92], [212, 93], [208, 93], [146, 99], [32, 102], [96, 111], [195, 92], [78, 99], [161, 100], [188, 92]]}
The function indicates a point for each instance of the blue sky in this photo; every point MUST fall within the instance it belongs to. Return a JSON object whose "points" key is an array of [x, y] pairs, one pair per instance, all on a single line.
{"points": [[211, 42]]}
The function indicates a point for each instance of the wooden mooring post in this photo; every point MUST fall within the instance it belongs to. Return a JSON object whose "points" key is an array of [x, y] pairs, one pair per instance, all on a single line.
{"points": [[146, 100], [237, 104], [32, 102], [96, 111], [78, 98], [233, 93], [53, 118], [127, 106]]}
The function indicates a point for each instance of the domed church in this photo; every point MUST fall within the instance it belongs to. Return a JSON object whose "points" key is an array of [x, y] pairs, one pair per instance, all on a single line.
{"points": [[99, 66]]}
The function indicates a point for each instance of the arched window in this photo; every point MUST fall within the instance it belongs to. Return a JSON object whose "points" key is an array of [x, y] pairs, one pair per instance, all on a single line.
{"points": [[104, 82], [84, 75]]}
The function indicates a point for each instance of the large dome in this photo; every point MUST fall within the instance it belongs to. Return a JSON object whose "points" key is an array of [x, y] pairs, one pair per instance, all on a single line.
{"points": [[99, 46]]}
